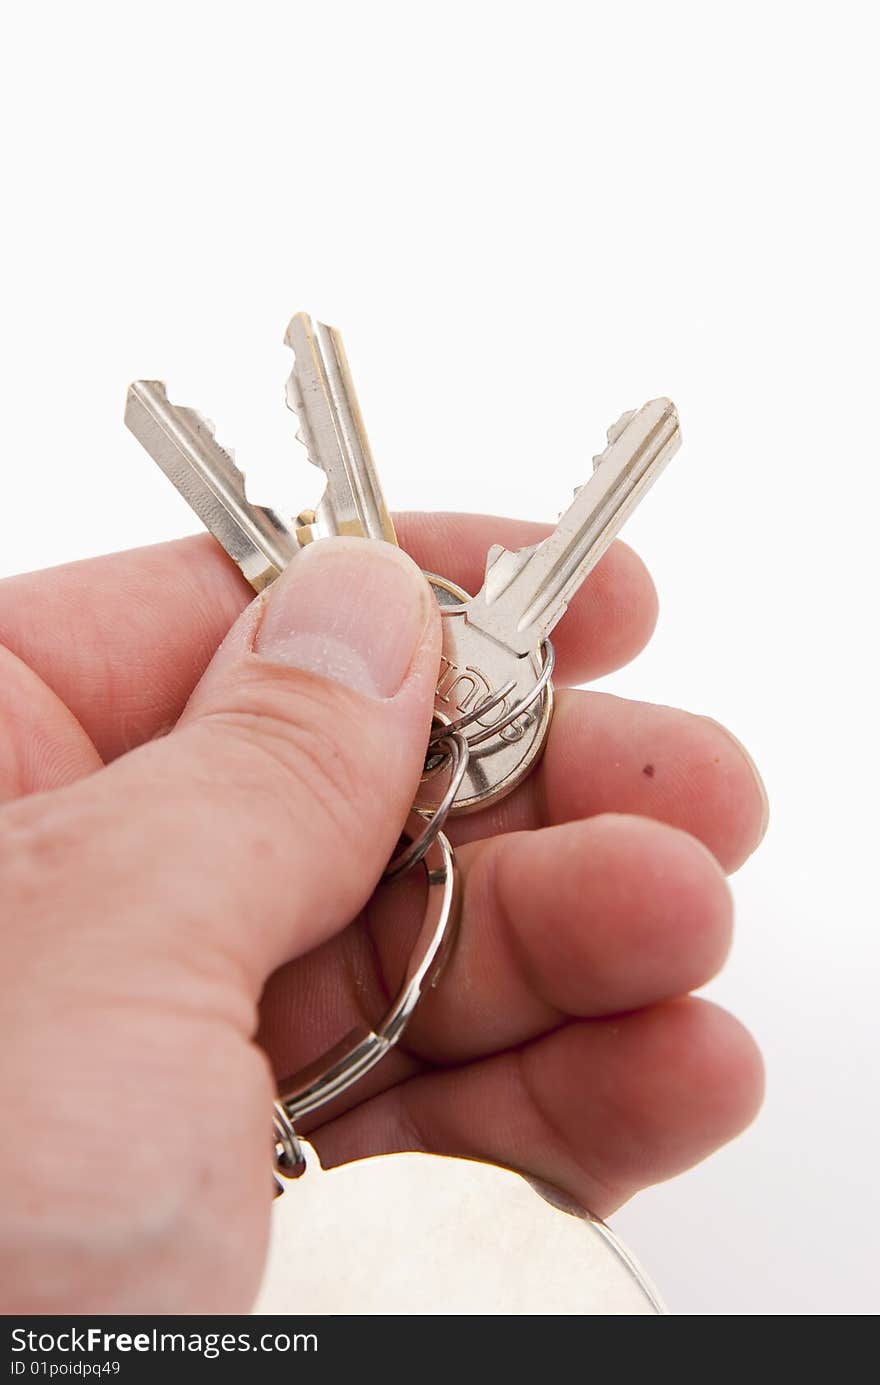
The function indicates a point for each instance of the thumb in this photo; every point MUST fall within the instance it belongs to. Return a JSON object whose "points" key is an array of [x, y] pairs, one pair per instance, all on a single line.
{"points": [[262, 823], [303, 745]]}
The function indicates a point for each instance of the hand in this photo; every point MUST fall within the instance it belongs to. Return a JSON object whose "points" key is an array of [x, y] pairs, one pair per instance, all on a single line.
{"points": [[166, 894]]}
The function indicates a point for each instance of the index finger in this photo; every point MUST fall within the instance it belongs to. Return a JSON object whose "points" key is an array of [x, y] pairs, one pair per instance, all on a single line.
{"points": [[123, 639]]}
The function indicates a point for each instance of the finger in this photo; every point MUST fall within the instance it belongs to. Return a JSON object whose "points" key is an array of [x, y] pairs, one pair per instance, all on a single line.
{"points": [[261, 824], [587, 919], [605, 754], [598, 1109], [148, 621], [42, 746]]}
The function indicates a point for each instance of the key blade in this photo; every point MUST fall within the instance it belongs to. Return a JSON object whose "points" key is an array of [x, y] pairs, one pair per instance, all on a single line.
{"points": [[321, 393], [182, 443], [526, 592]]}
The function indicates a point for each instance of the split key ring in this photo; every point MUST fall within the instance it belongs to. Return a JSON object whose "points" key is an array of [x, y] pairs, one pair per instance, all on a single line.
{"points": [[361, 1049]]}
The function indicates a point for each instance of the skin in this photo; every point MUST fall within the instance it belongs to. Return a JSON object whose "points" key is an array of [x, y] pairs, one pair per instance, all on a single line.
{"points": [[178, 880]]}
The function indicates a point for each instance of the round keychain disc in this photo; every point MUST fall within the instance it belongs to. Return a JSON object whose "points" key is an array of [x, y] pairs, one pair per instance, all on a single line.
{"points": [[408, 1234], [474, 667]]}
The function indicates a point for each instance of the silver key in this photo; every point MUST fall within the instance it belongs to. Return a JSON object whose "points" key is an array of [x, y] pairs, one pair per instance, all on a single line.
{"points": [[182, 443], [497, 638], [321, 394]]}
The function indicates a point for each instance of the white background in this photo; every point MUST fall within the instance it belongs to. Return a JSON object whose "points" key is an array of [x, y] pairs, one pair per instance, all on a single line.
{"points": [[525, 218]]}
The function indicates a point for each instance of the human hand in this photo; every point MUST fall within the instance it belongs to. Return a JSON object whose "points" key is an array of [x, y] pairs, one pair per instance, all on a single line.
{"points": [[168, 896]]}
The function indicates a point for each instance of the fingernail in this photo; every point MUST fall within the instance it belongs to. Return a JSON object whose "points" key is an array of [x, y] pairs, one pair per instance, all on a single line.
{"points": [[352, 610], [759, 782]]}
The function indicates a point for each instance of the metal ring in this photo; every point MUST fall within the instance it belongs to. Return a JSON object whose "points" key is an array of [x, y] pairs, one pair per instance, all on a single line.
{"points": [[290, 1159], [418, 849], [524, 703], [488, 704], [345, 1064]]}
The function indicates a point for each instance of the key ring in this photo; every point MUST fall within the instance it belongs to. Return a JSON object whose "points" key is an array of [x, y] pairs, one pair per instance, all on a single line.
{"points": [[536, 691], [361, 1049], [457, 748], [488, 704]]}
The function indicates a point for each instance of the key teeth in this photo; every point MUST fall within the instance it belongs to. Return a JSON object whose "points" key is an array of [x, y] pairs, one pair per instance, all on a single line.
{"points": [[293, 397], [306, 526], [613, 435], [203, 423], [616, 429], [200, 420], [200, 423], [574, 493]]}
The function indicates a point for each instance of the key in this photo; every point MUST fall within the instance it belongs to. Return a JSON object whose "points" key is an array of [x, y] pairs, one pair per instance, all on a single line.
{"points": [[182, 443], [495, 639], [321, 394]]}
